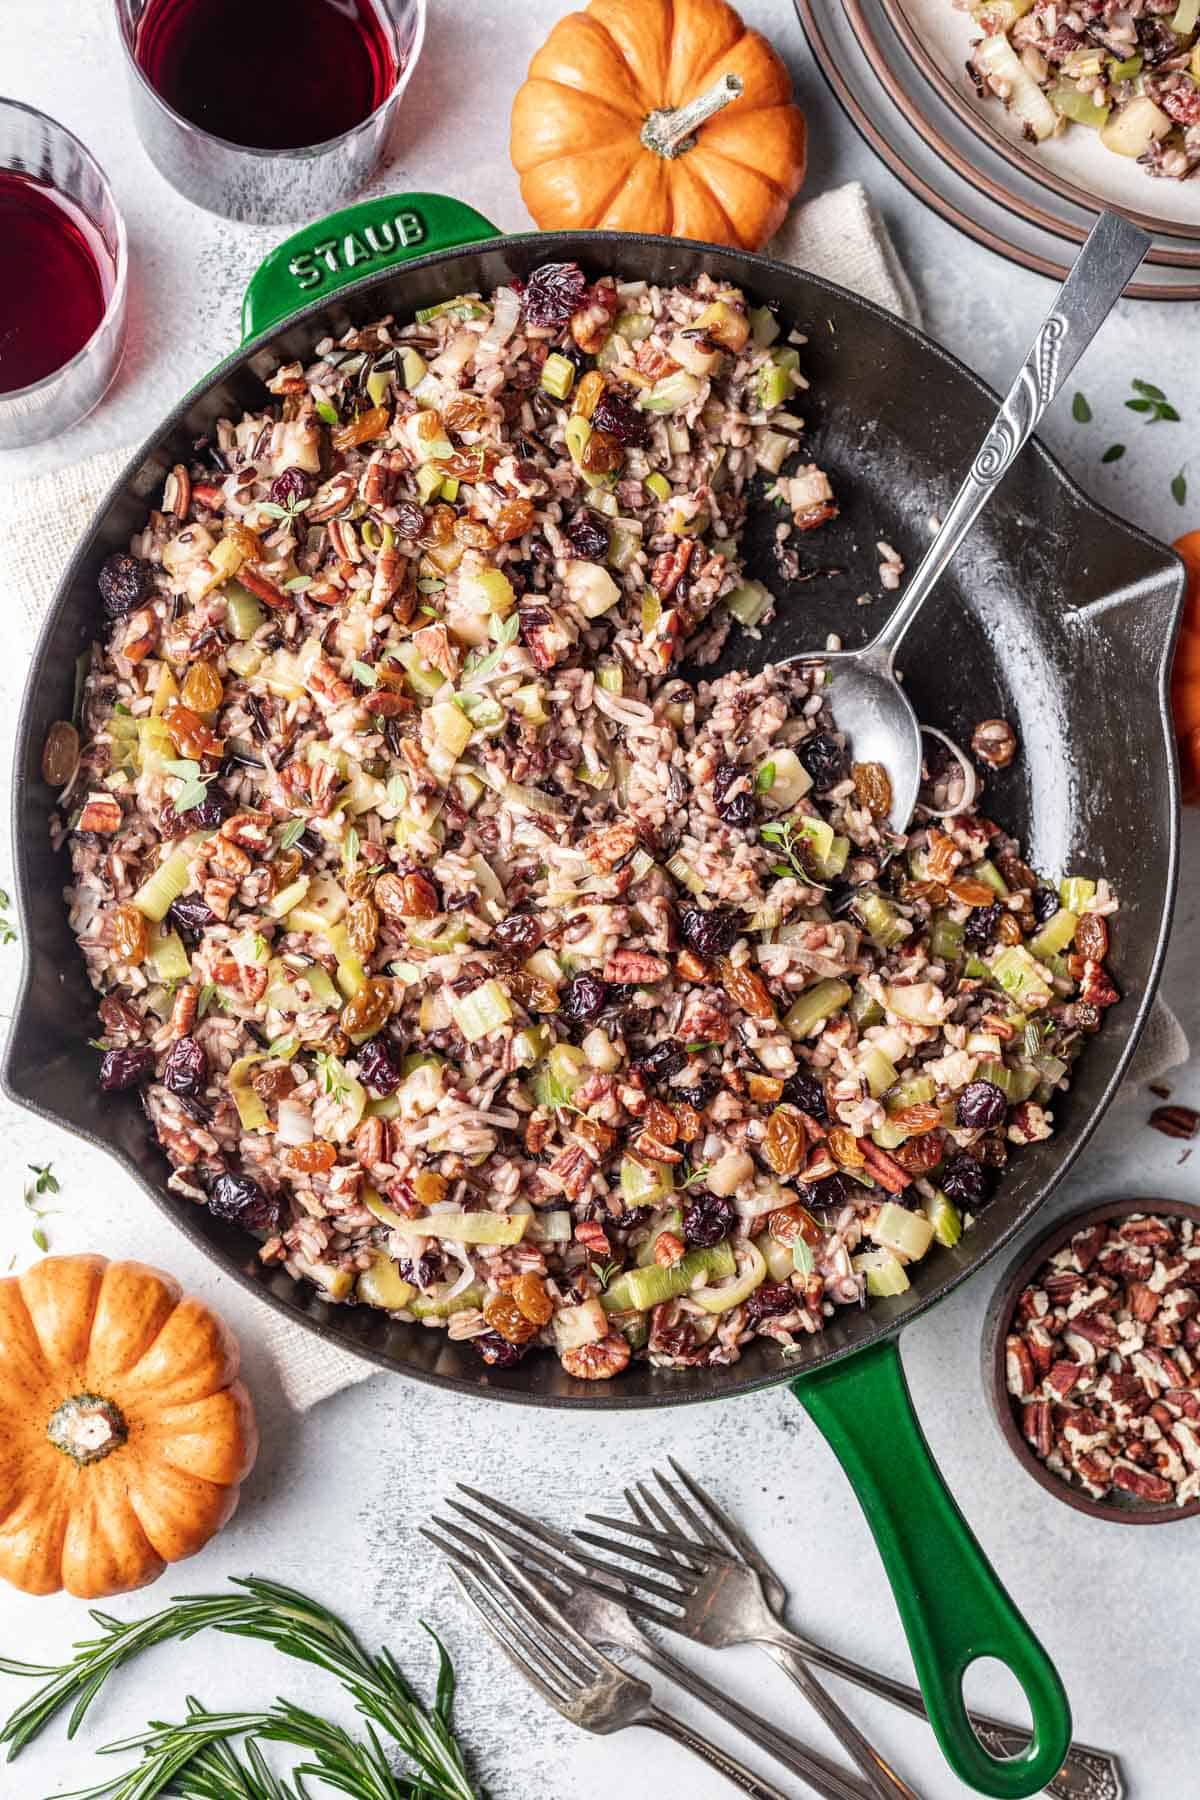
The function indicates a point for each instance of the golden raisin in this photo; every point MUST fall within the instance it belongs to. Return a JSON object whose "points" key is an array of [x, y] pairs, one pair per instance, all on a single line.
{"points": [[202, 689], [247, 541], [474, 534], [532, 992], [601, 454], [872, 788], [189, 734], [370, 424], [764, 1088], [504, 1315], [420, 897], [360, 885], [600, 1137], [129, 934], [466, 412], [367, 1010], [659, 1121], [530, 1294], [844, 1147], [60, 754], [746, 989], [587, 393], [430, 1188], [362, 926], [476, 462], [311, 1159], [284, 869], [969, 892], [1091, 937], [688, 1124], [513, 520], [438, 528], [794, 1224], [785, 1143], [919, 1118]]}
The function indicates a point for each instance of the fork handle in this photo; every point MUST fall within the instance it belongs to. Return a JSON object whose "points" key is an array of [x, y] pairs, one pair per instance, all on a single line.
{"points": [[883, 1782], [729, 1766]]}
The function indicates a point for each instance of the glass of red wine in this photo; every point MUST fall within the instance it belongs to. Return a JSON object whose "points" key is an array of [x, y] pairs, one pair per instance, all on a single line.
{"points": [[268, 110], [63, 277]]}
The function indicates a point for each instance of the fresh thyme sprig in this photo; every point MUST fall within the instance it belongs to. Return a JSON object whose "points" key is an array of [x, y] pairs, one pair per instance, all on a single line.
{"points": [[196, 1756], [8, 934], [782, 837]]}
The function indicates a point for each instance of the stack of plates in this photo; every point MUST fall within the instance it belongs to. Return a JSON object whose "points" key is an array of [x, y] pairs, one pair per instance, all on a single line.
{"points": [[898, 69]]}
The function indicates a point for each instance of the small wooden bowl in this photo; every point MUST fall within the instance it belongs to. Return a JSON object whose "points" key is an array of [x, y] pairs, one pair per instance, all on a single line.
{"points": [[1121, 1509]]}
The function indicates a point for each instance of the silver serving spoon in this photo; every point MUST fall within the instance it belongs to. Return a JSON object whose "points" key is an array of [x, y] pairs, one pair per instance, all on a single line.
{"points": [[868, 703]]}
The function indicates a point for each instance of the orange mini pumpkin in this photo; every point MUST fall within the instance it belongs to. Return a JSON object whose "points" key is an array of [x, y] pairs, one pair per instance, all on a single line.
{"points": [[124, 1431], [659, 115], [1185, 674]]}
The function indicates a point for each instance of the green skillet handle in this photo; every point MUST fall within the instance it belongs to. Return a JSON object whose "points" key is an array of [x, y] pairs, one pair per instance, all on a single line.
{"points": [[361, 240], [951, 1603]]}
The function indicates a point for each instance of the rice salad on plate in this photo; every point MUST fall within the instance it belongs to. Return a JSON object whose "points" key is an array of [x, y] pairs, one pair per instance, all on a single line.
{"points": [[469, 948]]}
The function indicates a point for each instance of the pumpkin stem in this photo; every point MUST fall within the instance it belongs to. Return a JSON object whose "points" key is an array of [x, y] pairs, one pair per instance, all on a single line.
{"points": [[669, 131], [86, 1428]]}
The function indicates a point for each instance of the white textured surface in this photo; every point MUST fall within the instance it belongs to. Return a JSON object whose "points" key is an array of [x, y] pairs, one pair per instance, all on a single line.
{"points": [[337, 1495]]}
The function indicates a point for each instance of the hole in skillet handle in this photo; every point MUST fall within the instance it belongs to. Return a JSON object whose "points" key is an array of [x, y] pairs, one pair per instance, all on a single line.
{"points": [[952, 1605], [364, 239]]}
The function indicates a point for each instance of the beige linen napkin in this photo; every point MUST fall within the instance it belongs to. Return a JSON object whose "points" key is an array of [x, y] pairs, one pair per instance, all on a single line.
{"points": [[838, 235]]}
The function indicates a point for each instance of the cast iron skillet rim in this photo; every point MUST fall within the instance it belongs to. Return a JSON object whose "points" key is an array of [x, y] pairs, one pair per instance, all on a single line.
{"points": [[606, 1399]]}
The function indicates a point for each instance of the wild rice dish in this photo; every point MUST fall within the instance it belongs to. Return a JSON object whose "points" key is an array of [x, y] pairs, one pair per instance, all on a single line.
{"points": [[1129, 69], [487, 970]]}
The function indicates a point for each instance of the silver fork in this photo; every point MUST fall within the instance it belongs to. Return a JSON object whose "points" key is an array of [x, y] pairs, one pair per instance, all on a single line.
{"points": [[556, 1660], [722, 1604], [1087, 1774], [551, 1561]]}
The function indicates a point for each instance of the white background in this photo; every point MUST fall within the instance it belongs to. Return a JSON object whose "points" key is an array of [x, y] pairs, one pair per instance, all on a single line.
{"points": [[336, 1498]]}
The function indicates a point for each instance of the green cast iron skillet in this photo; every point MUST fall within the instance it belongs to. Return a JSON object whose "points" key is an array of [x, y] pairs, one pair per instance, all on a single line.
{"points": [[1055, 615]]}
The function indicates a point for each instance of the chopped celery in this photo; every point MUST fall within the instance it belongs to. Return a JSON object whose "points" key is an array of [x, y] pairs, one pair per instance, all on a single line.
{"points": [[170, 959], [637, 1290], [945, 1218], [749, 602], [633, 326], [437, 1302], [463, 306], [775, 384], [817, 834], [459, 1227], [884, 1272], [245, 659], [732, 1293], [1126, 69], [383, 1285], [160, 890], [672, 393], [1056, 934], [1001, 14], [413, 367], [351, 974], [251, 1111], [878, 1071], [551, 1227], [1075, 892], [945, 938], [988, 873], [565, 1068], [429, 482], [449, 489], [288, 897], [245, 613], [610, 677], [997, 61], [1021, 975], [771, 448], [488, 591], [917, 1002], [792, 781], [645, 1184], [909, 1234], [156, 747], [682, 871], [764, 327], [652, 608], [1131, 129], [917, 1090], [623, 548], [830, 866], [590, 587], [815, 1005], [975, 969], [889, 1135], [864, 1008], [530, 703], [558, 375], [777, 1256], [882, 922], [386, 1107], [659, 486], [1187, 13], [1074, 104], [481, 1012]]}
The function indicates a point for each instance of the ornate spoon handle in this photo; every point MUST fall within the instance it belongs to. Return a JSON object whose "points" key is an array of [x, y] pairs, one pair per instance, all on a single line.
{"points": [[1109, 257]]}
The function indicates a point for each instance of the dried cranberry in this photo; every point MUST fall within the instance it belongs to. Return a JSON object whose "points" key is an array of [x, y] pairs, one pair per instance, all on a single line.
{"points": [[660, 1063], [824, 759], [808, 1093], [981, 1105], [587, 535], [519, 933], [616, 413], [123, 582], [376, 1068], [192, 915], [698, 1097], [1045, 904], [213, 810], [769, 1300], [424, 1270], [290, 487], [967, 1183], [185, 1071], [981, 924], [708, 1219], [496, 1351], [709, 931], [585, 999], [240, 1201], [120, 1069], [553, 293], [829, 1193], [739, 809]]}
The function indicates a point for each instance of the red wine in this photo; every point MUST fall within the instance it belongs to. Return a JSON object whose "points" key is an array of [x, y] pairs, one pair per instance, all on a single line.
{"points": [[53, 282], [269, 74]]}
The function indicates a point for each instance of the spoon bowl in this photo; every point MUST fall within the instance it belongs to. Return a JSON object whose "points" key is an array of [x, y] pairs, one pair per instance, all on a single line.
{"points": [[875, 713]]}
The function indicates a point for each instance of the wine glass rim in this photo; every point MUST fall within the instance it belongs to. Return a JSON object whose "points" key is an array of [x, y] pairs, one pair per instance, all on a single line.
{"points": [[120, 250], [299, 153]]}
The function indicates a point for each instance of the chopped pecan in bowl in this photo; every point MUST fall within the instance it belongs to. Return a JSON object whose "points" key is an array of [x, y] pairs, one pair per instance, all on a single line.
{"points": [[1092, 1360]]}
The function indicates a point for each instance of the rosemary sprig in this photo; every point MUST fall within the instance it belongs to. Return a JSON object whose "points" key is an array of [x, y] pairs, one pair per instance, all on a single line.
{"points": [[201, 1743]]}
